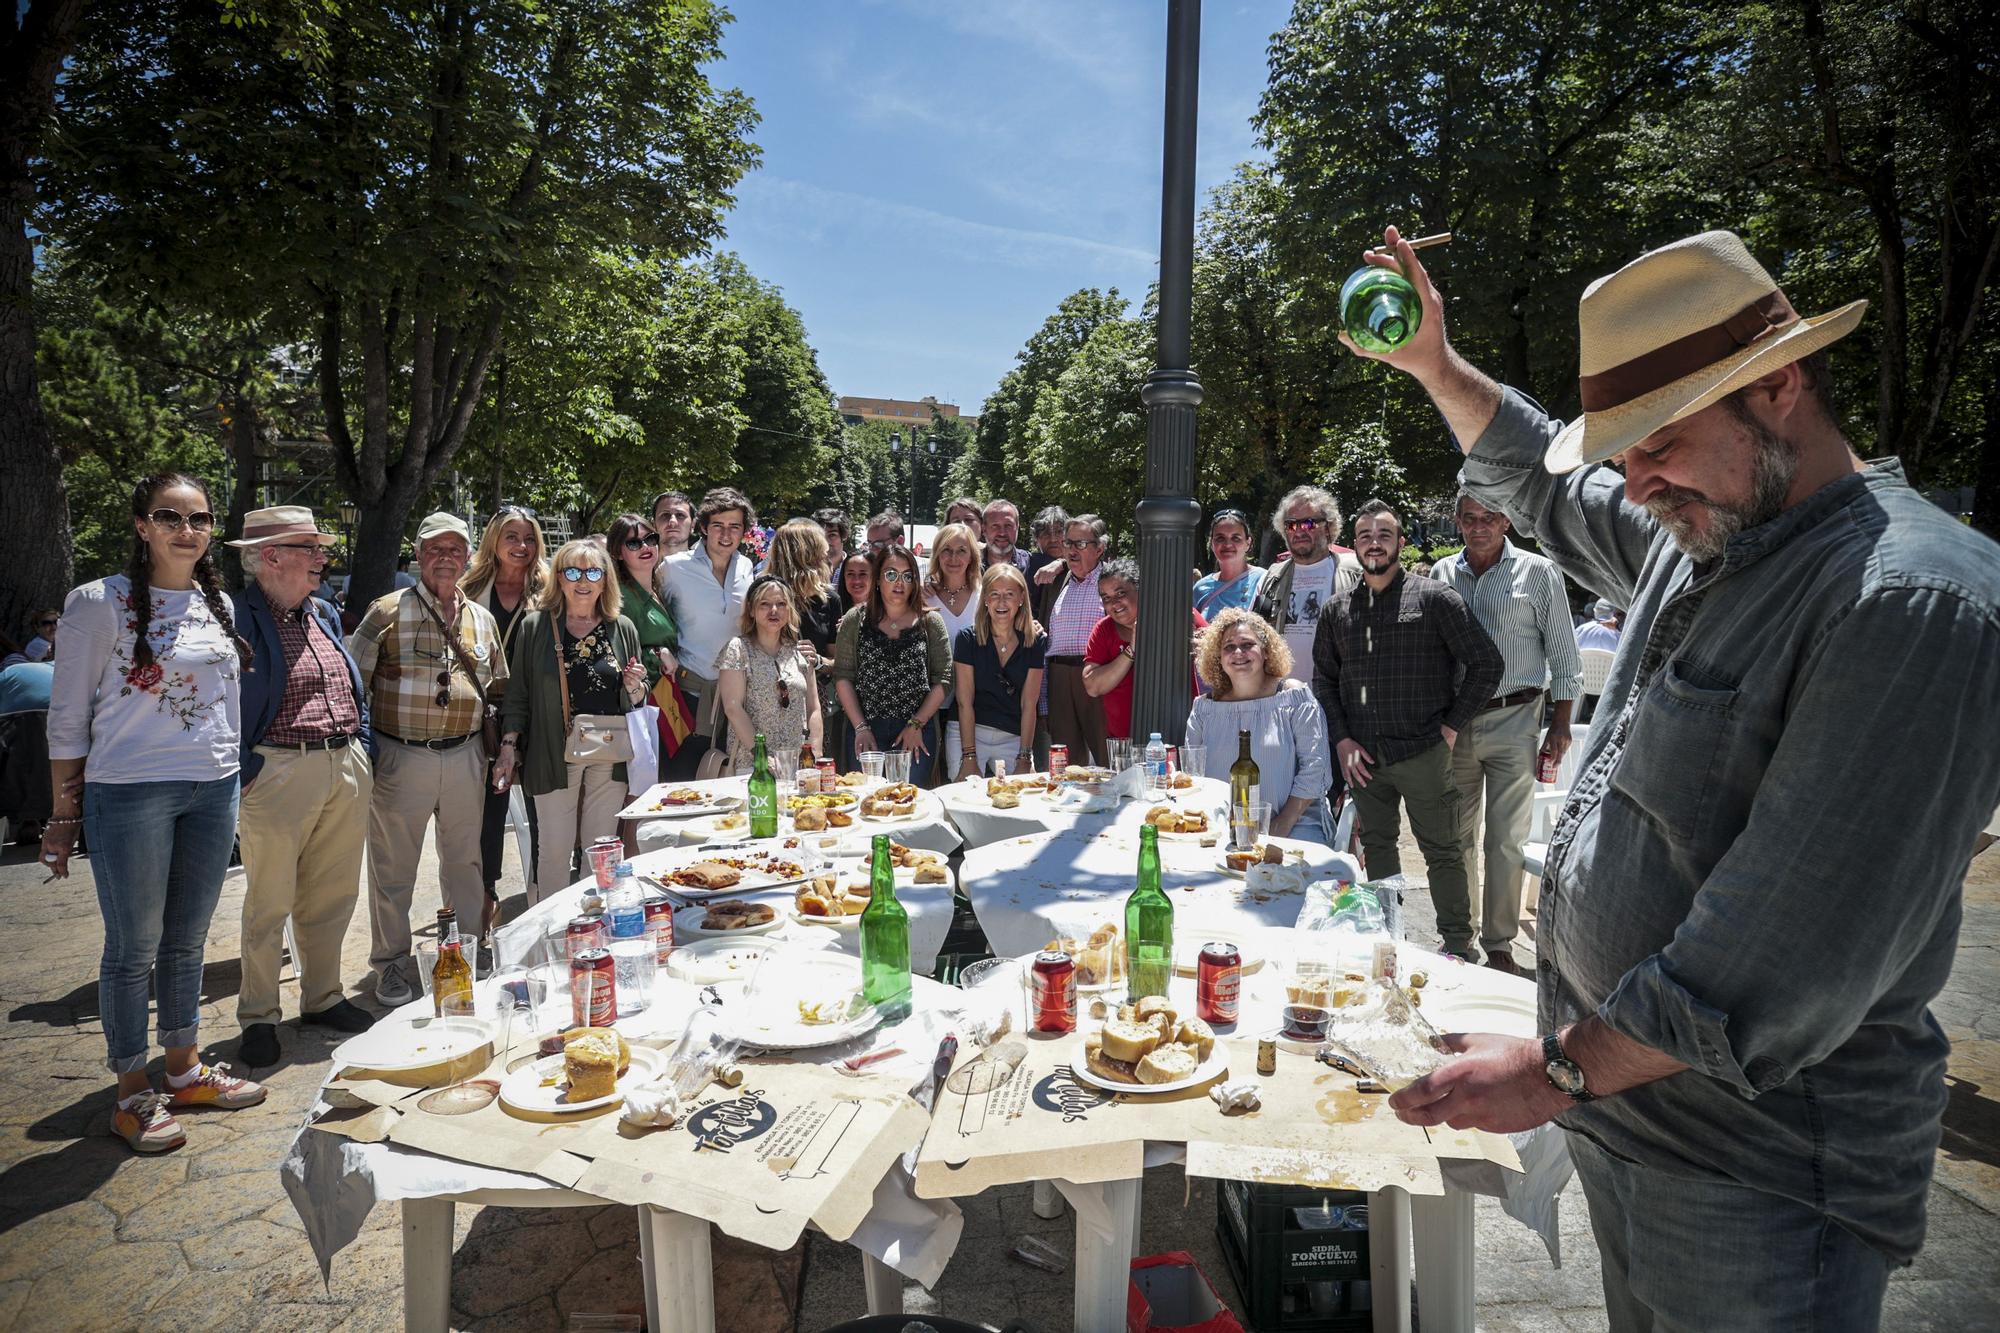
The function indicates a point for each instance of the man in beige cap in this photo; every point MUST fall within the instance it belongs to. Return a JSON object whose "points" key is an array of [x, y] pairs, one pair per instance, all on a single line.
{"points": [[306, 780], [427, 689], [1753, 890]]}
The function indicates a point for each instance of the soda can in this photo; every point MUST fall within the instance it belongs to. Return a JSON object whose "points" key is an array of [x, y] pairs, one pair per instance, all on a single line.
{"points": [[587, 932], [1058, 761], [1547, 767], [593, 989], [660, 925], [1052, 992], [829, 775], [1218, 982]]}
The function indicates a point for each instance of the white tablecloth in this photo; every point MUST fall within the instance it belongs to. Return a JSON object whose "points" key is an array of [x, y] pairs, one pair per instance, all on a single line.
{"points": [[981, 824], [928, 828]]}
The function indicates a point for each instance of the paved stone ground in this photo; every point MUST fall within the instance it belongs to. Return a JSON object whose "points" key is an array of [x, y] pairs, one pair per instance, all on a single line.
{"points": [[92, 1237]]}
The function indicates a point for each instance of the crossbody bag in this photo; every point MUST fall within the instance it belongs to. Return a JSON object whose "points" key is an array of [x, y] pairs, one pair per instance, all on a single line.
{"points": [[589, 738]]}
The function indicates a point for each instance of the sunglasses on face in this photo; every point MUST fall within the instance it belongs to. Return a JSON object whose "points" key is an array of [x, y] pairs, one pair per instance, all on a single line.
{"points": [[200, 520], [641, 543], [893, 576], [572, 574], [1301, 524], [50, 623]]}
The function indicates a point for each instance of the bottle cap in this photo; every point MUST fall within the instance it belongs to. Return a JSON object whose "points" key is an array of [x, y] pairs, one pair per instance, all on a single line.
{"points": [[622, 868]]}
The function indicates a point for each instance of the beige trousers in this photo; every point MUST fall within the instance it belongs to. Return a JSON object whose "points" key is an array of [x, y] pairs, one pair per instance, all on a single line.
{"points": [[302, 826], [1494, 766], [571, 817], [411, 785]]}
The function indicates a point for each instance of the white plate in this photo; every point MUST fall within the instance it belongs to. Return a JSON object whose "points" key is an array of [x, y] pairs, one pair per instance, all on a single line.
{"points": [[829, 922], [768, 1016], [706, 962], [917, 812], [1208, 1071], [798, 1036], [393, 1047], [1458, 1011], [524, 1090], [688, 927], [713, 802], [660, 867]]}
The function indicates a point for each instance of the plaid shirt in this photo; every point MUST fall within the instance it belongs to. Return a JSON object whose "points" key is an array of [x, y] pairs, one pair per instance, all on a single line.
{"points": [[1079, 606], [399, 647], [319, 700], [1384, 665]]}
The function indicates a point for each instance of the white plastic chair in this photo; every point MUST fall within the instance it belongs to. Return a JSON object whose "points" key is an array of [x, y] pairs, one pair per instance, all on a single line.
{"points": [[1596, 668]]}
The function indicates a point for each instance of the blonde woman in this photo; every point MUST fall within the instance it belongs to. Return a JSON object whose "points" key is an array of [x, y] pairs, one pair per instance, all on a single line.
{"points": [[507, 576], [1246, 665], [997, 667], [575, 630], [768, 686]]}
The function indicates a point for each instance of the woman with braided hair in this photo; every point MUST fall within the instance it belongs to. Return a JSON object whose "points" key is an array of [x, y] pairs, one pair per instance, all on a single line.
{"points": [[145, 710]]}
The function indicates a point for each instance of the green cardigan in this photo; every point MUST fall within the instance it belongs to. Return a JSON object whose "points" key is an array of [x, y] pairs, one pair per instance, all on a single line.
{"points": [[653, 621], [533, 703]]}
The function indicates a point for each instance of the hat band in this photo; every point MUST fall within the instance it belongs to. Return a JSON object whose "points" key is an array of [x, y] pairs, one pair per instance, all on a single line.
{"points": [[1686, 355], [278, 530]]}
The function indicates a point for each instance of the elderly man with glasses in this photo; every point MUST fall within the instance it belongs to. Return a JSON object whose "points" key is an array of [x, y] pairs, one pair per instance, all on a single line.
{"points": [[427, 688], [1295, 591], [307, 779]]}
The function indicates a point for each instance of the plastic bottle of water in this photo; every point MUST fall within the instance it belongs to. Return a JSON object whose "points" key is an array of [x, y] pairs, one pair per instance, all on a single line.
{"points": [[624, 910], [1156, 763]]}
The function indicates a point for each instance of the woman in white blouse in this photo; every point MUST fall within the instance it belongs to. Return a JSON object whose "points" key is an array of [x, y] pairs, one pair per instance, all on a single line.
{"points": [[1244, 663], [145, 710]]}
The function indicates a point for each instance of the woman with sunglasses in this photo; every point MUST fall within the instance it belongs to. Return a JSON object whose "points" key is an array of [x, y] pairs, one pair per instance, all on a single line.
{"points": [[1235, 580], [574, 654], [637, 546], [42, 646], [768, 686], [892, 664], [507, 576], [147, 711]]}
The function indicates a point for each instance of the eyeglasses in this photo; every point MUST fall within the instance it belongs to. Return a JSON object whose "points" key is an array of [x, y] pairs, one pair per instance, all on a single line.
{"points": [[1301, 524], [200, 520], [1071, 545], [641, 543], [572, 574], [49, 623], [317, 548]]}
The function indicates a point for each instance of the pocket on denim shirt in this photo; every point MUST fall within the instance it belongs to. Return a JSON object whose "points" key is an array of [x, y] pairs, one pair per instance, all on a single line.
{"points": [[1667, 765]]}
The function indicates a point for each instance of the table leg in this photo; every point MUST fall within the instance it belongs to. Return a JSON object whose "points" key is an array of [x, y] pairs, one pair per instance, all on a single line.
{"points": [[1441, 1226], [1048, 1200], [679, 1274], [1389, 1261], [1107, 1235], [883, 1285], [427, 1228]]}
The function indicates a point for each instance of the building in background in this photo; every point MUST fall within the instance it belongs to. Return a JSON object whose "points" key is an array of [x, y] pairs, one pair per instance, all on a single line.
{"points": [[898, 411]]}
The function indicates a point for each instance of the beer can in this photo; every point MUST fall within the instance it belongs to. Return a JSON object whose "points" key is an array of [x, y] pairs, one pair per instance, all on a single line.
{"points": [[1218, 982], [1267, 1055], [593, 989], [829, 775], [1058, 761], [587, 932], [660, 925], [1547, 767], [1052, 992]]}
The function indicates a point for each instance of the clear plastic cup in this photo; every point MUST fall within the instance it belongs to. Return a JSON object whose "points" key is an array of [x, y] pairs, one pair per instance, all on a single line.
{"points": [[871, 765], [1247, 828], [637, 961], [896, 766], [605, 854], [1194, 760]]}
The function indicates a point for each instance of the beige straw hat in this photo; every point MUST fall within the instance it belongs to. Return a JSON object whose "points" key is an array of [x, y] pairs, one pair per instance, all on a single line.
{"points": [[261, 527], [1675, 330]]}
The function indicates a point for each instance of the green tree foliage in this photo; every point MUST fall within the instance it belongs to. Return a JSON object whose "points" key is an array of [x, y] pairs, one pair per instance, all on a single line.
{"points": [[1089, 428]]}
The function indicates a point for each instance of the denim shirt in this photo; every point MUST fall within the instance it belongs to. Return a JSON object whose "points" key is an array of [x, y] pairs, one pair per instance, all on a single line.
{"points": [[1758, 868]]}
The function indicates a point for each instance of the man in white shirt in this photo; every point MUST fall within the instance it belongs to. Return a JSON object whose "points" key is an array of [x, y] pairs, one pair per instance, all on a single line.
{"points": [[1294, 590], [1601, 630], [705, 586]]}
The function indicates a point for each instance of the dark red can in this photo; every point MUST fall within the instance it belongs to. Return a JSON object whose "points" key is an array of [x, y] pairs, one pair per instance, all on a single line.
{"points": [[1547, 767], [593, 989], [660, 925], [587, 932], [1058, 762], [829, 774], [1218, 982], [1052, 992]]}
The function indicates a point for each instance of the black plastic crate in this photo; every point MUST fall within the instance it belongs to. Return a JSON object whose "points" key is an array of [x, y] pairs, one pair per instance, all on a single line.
{"points": [[1299, 1256]]}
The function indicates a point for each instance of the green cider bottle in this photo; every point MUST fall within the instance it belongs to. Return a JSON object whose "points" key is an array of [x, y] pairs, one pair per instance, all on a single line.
{"points": [[1379, 308], [763, 794], [885, 939], [1149, 925]]}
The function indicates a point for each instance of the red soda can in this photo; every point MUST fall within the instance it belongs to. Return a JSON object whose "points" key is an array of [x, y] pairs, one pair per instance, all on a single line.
{"points": [[829, 775], [593, 989], [1547, 767], [1052, 992], [1058, 762], [586, 932], [1218, 982], [660, 925]]}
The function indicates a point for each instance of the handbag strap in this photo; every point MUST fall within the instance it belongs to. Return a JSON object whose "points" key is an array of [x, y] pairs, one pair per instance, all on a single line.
{"points": [[562, 671], [451, 642]]}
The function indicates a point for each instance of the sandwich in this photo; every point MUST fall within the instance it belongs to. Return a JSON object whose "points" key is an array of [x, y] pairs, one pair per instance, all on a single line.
{"points": [[1241, 859], [735, 914], [1005, 799], [1113, 1053], [932, 873]]}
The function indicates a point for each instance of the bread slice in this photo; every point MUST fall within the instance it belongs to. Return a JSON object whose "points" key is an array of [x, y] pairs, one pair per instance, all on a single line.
{"points": [[1129, 1041], [1111, 1071], [1156, 1004], [1197, 1034], [1166, 1065], [1242, 860]]}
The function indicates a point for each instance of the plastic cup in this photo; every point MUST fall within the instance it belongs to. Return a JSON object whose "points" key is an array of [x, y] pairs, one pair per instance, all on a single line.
{"points": [[871, 764], [605, 854], [895, 766], [1194, 760], [1246, 828]]}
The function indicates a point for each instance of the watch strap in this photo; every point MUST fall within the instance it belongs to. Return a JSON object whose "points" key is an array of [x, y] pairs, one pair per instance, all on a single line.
{"points": [[1552, 1054]]}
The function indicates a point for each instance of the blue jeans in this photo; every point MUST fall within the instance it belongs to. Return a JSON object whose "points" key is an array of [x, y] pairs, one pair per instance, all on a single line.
{"points": [[158, 851], [1682, 1255], [886, 730]]}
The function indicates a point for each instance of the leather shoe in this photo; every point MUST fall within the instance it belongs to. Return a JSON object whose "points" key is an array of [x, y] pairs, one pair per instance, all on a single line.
{"points": [[259, 1047], [343, 1016], [1500, 960]]}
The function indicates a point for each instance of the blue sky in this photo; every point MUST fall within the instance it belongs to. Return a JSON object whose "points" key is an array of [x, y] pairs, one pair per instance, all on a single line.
{"points": [[937, 177]]}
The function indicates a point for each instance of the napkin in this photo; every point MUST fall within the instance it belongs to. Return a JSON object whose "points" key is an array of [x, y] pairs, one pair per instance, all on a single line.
{"points": [[652, 1105], [1291, 877], [1239, 1095]]}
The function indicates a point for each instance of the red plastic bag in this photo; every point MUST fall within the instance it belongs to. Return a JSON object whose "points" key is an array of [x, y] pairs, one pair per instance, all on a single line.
{"points": [[1170, 1294]]}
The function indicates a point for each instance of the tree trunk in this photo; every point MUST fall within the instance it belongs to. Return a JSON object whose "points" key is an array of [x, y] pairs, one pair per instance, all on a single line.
{"points": [[246, 425], [1986, 495], [35, 548]]}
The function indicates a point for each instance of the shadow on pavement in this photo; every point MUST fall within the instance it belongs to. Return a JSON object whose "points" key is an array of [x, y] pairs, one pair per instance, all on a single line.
{"points": [[1971, 1123], [221, 978], [69, 1175]]}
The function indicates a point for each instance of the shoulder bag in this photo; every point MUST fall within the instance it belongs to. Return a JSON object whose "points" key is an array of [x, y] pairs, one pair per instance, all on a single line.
{"points": [[489, 711], [588, 738]]}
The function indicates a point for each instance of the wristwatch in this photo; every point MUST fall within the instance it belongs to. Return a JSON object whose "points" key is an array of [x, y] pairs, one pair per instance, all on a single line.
{"points": [[1564, 1074]]}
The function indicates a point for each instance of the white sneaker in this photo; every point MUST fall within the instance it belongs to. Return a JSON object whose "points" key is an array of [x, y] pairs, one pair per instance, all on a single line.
{"points": [[393, 984]]}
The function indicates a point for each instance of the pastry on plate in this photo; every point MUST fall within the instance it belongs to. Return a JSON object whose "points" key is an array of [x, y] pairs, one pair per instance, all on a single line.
{"points": [[735, 914], [1005, 799], [839, 819], [708, 876], [735, 819], [932, 873], [593, 1058], [852, 779], [812, 819]]}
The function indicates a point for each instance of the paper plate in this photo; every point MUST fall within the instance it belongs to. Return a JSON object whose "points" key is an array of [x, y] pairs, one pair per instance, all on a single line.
{"points": [[800, 1036], [393, 1047], [1458, 1011], [761, 870], [707, 962], [1207, 1071], [771, 1019], [688, 927], [711, 802], [524, 1090], [828, 922]]}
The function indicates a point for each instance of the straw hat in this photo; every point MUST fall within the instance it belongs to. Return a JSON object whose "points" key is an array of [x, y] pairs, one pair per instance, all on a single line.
{"points": [[261, 527], [1675, 330]]}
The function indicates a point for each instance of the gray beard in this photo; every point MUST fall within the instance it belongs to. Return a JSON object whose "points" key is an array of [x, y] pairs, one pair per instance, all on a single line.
{"points": [[1774, 466]]}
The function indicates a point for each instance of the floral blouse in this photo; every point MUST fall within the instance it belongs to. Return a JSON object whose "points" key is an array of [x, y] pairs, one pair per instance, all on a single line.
{"points": [[779, 714], [177, 719]]}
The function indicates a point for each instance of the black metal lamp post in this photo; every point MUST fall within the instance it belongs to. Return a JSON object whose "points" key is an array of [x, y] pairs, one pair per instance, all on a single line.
{"points": [[1169, 514]]}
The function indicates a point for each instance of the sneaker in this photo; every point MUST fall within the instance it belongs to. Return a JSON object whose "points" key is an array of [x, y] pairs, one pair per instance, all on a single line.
{"points": [[215, 1086], [259, 1047], [341, 1016], [395, 983], [147, 1124]]}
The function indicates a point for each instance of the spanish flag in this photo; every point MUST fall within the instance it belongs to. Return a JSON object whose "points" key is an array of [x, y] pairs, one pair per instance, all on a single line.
{"points": [[676, 718]]}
